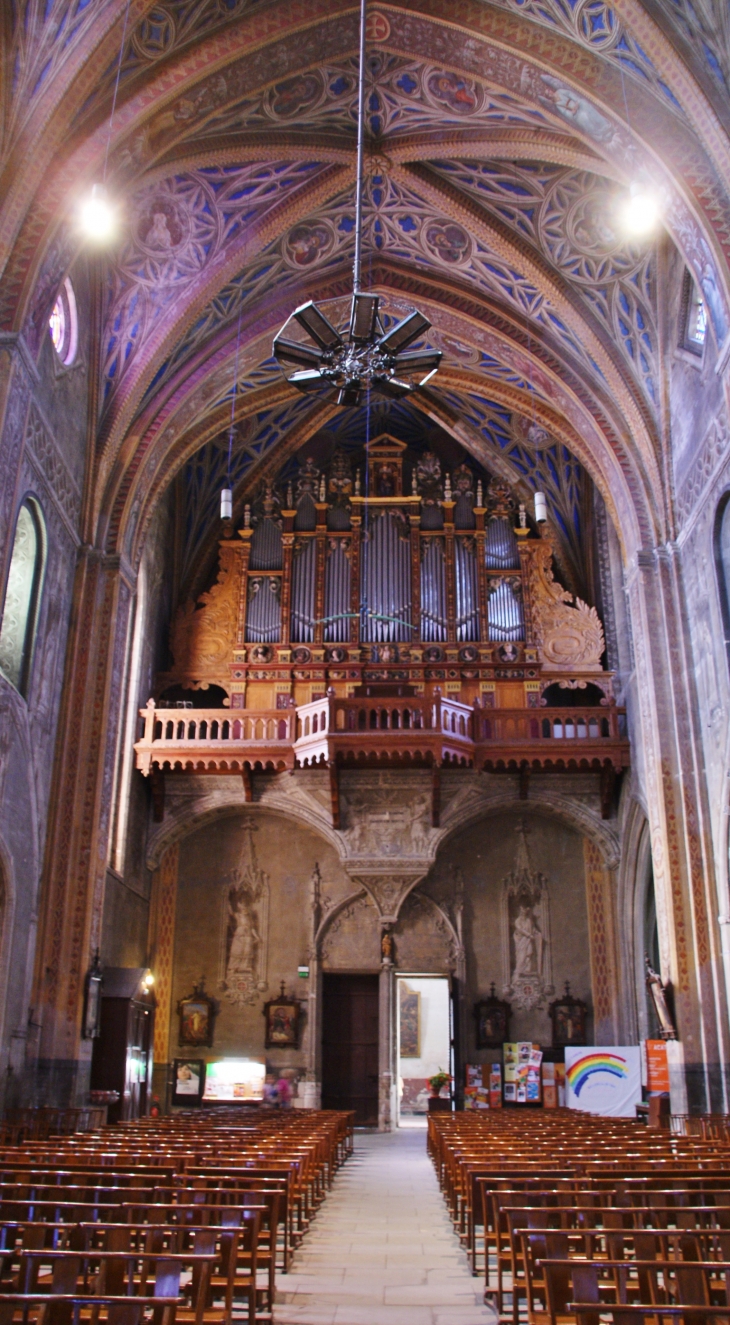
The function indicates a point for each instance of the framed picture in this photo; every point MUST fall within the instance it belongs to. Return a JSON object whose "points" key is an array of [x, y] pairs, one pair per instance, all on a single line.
{"points": [[197, 1017], [410, 1022], [569, 1020], [282, 1022], [91, 1023], [492, 1018], [188, 1081]]}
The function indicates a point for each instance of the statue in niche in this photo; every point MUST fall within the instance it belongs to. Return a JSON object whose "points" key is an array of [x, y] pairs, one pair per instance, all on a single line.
{"points": [[242, 939], [246, 924], [528, 945], [526, 932]]}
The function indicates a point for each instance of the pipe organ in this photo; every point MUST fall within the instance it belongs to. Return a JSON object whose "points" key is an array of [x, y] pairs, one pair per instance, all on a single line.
{"points": [[382, 569]]}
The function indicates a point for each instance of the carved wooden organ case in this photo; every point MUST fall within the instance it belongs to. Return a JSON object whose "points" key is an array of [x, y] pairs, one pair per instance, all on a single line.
{"points": [[393, 573]]}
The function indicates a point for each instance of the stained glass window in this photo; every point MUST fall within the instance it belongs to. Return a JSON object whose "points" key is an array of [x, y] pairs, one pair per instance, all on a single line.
{"points": [[22, 597], [63, 324]]}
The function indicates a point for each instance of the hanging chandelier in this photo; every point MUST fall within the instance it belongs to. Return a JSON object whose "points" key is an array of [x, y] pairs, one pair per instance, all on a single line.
{"points": [[363, 356]]}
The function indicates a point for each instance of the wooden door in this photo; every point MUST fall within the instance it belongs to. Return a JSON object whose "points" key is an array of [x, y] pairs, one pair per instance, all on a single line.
{"points": [[350, 1045]]}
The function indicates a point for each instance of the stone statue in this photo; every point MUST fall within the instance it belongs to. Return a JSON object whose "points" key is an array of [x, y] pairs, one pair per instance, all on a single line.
{"points": [[528, 945], [242, 937], [245, 927]]}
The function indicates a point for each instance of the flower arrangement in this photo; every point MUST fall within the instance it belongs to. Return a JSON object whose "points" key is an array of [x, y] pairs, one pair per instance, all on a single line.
{"points": [[438, 1081]]}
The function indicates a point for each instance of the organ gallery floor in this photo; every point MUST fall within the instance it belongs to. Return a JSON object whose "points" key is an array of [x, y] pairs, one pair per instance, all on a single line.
{"points": [[382, 1250]]}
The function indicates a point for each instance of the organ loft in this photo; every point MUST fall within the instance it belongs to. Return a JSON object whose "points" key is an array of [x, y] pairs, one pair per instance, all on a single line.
{"points": [[381, 610]]}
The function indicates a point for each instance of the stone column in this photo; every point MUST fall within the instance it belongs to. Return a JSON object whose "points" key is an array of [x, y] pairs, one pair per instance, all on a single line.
{"points": [[667, 740], [72, 888], [387, 1066], [161, 947], [312, 1093]]}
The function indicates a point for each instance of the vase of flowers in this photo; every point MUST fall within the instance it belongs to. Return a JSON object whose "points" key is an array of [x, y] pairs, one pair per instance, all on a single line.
{"points": [[437, 1082]]}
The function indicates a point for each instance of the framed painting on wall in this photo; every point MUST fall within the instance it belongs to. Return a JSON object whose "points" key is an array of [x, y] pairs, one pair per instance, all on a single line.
{"points": [[492, 1018], [188, 1080], [197, 1015], [282, 1022], [410, 1022]]}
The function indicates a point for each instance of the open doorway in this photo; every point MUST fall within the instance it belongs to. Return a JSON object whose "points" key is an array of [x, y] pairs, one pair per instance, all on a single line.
{"points": [[424, 1041]]}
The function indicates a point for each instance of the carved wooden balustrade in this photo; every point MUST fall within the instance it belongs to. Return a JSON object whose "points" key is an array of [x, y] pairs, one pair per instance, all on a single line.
{"points": [[558, 738], [385, 730], [361, 732], [414, 730], [215, 740]]}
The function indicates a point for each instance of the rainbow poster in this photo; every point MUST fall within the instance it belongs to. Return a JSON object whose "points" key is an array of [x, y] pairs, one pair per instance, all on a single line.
{"points": [[604, 1079]]}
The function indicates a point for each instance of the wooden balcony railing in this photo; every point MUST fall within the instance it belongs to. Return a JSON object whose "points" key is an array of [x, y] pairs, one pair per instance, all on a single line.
{"points": [[215, 740], [413, 730]]}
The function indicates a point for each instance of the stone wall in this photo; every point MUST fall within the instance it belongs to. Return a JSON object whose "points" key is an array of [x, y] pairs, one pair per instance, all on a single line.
{"points": [[42, 455], [252, 886]]}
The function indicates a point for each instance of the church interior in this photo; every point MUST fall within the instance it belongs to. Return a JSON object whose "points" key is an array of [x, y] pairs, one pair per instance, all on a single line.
{"points": [[365, 598]]}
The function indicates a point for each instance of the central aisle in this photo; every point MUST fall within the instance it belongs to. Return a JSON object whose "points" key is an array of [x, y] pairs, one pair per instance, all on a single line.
{"points": [[382, 1250]]}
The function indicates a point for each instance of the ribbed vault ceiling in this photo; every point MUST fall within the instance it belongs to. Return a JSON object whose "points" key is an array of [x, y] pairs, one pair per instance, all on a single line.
{"points": [[501, 136]]}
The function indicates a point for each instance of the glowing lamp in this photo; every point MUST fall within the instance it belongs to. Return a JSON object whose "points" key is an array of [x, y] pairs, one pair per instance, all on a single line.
{"points": [[639, 212], [540, 507], [97, 217], [226, 504]]}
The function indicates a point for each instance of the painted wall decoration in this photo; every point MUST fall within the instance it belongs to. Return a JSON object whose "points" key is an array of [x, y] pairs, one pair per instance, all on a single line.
{"points": [[602, 1080]]}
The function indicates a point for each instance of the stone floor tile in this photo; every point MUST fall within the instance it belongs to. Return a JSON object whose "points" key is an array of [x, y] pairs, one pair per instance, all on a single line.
{"points": [[381, 1250]]}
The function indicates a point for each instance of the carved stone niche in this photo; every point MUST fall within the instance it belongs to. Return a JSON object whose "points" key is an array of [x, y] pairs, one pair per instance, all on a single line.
{"points": [[569, 635], [203, 634]]}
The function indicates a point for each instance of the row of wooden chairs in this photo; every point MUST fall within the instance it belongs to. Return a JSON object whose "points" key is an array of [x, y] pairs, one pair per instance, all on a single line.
{"points": [[576, 1219], [186, 1219]]}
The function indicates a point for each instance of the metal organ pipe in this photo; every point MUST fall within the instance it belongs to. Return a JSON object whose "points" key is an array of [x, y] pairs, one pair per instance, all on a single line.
{"points": [[505, 614], [467, 589], [385, 586], [433, 592], [263, 614], [501, 546], [337, 592], [304, 566], [263, 609]]}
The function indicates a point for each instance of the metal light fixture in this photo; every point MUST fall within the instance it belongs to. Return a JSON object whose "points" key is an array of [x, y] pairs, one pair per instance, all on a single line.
{"points": [[365, 356]]}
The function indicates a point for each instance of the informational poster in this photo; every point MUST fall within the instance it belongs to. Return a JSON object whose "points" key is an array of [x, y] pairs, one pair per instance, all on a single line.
{"points": [[235, 1079], [522, 1072], [495, 1086], [476, 1093], [657, 1067], [483, 1086], [604, 1080]]}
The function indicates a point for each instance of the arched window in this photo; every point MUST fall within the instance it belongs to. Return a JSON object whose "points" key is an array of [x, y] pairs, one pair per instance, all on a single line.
{"points": [[22, 596], [693, 316], [63, 324]]}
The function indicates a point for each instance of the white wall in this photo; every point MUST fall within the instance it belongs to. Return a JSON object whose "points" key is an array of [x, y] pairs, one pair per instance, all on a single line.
{"points": [[434, 1027]]}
